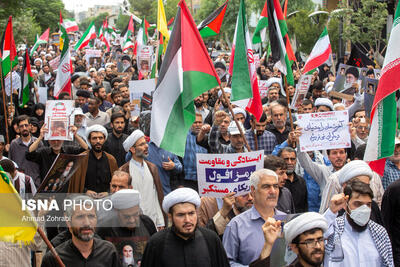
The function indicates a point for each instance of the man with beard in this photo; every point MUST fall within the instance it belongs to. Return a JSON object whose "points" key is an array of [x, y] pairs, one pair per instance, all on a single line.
{"points": [[236, 144], [199, 104], [243, 238], [81, 98], [305, 236], [360, 132], [83, 249], [100, 93], [295, 183], [220, 68], [94, 175], [392, 166], [95, 115], [216, 213], [185, 243], [115, 140], [265, 140], [278, 126], [145, 177], [20, 146], [47, 78], [219, 132], [353, 239]]}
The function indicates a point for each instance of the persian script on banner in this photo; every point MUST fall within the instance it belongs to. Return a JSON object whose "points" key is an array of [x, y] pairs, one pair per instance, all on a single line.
{"points": [[58, 119], [324, 130], [220, 174]]}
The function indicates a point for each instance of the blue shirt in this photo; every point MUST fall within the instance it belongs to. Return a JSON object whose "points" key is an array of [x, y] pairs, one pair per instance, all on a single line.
{"points": [[189, 160], [243, 238], [391, 174], [158, 156], [266, 141]]}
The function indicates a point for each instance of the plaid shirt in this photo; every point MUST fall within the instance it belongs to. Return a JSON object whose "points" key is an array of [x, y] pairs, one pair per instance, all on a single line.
{"points": [[216, 147], [391, 174], [266, 141], [189, 160]]}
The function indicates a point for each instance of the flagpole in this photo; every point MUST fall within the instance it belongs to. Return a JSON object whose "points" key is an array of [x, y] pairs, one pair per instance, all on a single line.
{"points": [[4, 104], [11, 86], [288, 102], [157, 51], [233, 116], [50, 246]]}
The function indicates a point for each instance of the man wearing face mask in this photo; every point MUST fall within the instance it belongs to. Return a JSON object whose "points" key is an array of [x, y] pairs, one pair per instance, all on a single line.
{"points": [[352, 238]]}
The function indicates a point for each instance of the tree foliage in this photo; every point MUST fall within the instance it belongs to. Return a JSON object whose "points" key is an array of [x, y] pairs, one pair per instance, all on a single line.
{"points": [[25, 28], [121, 21], [98, 21]]}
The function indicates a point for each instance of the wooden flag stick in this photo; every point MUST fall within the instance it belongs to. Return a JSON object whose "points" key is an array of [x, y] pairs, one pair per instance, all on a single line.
{"points": [[233, 116], [50, 246], [288, 102], [157, 51], [4, 104], [11, 86]]}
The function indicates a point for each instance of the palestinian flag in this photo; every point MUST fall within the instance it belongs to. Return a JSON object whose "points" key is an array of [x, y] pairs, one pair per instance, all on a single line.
{"points": [[212, 24], [8, 49], [279, 39], [186, 72], [26, 79], [64, 70], [284, 9], [142, 36], [70, 25], [127, 35], [381, 137], [262, 25], [90, 34], [43, 39], [320, 53], [160, 53], [103, 34], [243, 68]]}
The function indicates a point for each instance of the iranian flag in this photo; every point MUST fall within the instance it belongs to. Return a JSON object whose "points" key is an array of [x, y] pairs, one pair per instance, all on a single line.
{"points": [[320, 53], [89, 34], [43, 39], [186, 72], [380, 143], [142, 36], [243, 68], [262, 25], [26, 79], [212, 24], [127, 35], [70, 25], [8, 49], [103, 34], [64, 70]]}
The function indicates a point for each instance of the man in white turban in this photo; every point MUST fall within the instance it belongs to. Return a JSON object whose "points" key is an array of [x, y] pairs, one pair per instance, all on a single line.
{"points": [[323, 104], [185, 243], [145, 177], [305, 236]]}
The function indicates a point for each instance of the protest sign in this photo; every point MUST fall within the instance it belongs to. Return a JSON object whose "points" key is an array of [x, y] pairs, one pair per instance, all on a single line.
{"points": [[346, 77], [256, 58], [135, 98], [16, 82], [324, 130], [263, 88], [58, 119], [144, 58], [42, 91], [136, 244], [369, 94], [220, 174], [301, 91], [54, 63], [64, 166], [92, 53], [142, 86]]}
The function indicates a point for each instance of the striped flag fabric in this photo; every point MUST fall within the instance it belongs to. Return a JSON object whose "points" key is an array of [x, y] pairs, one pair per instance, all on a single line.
{"points": [[162, 20], [89, 34], [127, 35], [43, 39], [70, 25], [279, 39], [186, 72], [243, 68], [26, 79], [320, 53], [8, 49], [262, 25], [381, 139], [212, 24], [142, 36], [63, 78], [104, 35]]}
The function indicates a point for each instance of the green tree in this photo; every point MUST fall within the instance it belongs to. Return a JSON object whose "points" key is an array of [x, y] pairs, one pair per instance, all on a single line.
{"points": [[142, 8], [98, 21], [10, 7], [293, 5], [121, 21], [25, 28], [47, 13]]}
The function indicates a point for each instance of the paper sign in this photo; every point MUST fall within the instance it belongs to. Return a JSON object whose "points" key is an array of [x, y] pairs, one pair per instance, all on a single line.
{"points": [[256, 60], [301, 91], [324, 130], [369, 94], [220, 174], [142, 86], [58, 119], [54, 63], [42, 94], [263, 88], [16, 82], [93, 53], [144, 58]]}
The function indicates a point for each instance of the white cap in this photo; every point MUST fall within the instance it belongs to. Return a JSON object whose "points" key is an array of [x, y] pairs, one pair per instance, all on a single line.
{"points": [[233, 129]]}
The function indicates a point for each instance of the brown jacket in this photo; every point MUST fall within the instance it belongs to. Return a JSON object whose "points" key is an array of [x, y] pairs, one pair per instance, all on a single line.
{"points": [[157, 182], [77, 182], [208, 208]]}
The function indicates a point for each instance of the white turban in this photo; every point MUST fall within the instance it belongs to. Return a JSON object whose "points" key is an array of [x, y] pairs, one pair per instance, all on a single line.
{"points": [[181, 195], [233, 129], [96, 128], [272, 80], [303, 223], [125, 199], [38, 59], [353, 169], [323, 102], [329, 86], [238, 110], [132, 139], [227, 90]]}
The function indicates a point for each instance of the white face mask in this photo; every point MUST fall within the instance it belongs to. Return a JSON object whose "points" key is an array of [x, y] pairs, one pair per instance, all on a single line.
{"points": [[361, 215]]}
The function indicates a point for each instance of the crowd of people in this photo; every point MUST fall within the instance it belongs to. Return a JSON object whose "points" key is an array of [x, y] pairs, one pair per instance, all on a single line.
{"points": [[349, 215]]}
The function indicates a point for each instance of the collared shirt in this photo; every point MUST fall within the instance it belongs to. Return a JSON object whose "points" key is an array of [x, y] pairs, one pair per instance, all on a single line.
{"points": [[101, 118], [98, 174], [266, 141], [189, 160], [103, 254], [216, 146], [157, 156], [244, 239], [391, 174], [113, 146], [103, 107], [203, 111], [298, 188], [17, 154]]}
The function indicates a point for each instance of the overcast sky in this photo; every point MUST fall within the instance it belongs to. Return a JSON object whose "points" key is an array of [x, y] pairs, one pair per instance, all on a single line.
{"points": [[83, 5]]}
